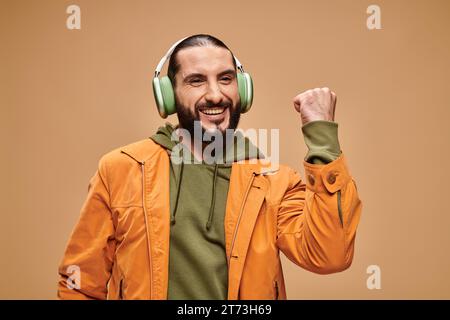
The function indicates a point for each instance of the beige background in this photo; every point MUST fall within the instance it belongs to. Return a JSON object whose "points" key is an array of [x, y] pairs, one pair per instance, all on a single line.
{"points": [[69, 96]]}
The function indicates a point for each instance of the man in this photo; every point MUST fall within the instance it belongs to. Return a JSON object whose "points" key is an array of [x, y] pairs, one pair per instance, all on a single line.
{"points": [[153, 227]]}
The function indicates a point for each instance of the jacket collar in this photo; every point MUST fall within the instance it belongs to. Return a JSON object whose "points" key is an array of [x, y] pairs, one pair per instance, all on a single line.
{"points": [[142, 150]]}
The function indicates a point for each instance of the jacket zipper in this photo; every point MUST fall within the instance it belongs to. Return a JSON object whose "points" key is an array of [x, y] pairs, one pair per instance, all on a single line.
{"points": [[147, 231], [240, 214]]}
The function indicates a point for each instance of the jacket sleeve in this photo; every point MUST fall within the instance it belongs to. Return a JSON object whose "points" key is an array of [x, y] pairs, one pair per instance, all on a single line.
{"points": [[317, 220], [90, 248]]}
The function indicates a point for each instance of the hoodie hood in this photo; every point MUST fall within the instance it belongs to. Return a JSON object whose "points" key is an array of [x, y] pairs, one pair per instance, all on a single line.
{"points": [[243, 149]]}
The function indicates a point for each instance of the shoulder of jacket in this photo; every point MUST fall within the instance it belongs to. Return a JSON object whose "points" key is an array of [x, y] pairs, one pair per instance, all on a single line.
{"points": [[275, 169], [138, 151], [282, 175]]}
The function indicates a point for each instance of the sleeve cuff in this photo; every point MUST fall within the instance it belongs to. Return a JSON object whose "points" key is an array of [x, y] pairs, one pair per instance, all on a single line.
{"points": [[330, 178], [321, 138]]}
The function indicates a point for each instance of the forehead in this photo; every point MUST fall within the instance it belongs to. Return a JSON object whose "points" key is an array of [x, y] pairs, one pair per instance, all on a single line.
{"points": [[204, 60]]}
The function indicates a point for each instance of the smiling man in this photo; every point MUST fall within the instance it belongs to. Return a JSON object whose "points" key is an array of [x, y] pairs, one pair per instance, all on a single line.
{"points": [[156, 225]]}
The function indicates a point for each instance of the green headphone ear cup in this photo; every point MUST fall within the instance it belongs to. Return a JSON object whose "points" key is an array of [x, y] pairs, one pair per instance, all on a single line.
{"points": [[167, 95], [249, 92], [158, 97], [245, 85], [242, 86]]}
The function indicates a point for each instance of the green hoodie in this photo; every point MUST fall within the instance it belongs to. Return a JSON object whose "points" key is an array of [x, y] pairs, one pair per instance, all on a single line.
{"points": [[198, 194]]}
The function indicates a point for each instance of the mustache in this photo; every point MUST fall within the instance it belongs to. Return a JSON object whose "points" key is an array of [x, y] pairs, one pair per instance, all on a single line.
{"points": [[223, 104]]}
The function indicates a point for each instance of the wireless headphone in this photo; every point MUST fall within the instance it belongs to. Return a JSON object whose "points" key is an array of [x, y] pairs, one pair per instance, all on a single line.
{"points": [[165, 97]]}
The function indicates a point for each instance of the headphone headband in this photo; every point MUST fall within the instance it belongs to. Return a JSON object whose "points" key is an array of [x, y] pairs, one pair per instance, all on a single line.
{"points": [[169, 53]]}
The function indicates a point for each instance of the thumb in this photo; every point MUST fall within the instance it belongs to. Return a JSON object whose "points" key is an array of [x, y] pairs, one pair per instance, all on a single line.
{"points": [[297, 104]]}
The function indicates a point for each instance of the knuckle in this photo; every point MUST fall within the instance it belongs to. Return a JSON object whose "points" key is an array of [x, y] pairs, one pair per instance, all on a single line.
{"points": [[310, 99]]}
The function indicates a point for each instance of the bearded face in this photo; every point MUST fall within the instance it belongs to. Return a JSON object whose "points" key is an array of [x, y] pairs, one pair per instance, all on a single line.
{"points": [[206, 89]]}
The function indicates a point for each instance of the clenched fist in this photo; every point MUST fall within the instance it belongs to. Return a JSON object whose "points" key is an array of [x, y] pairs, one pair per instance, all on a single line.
{"points": [[316, 104]]}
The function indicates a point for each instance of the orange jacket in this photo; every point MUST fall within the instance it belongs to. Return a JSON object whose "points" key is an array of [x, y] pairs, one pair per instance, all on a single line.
{"points": [[121, 241]]}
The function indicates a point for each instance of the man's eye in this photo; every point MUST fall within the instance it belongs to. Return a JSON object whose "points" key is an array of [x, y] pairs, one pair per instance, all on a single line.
{"points": [[195, 81], [226, 79]]}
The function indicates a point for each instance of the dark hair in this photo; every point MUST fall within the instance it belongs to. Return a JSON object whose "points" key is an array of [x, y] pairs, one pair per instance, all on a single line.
{"points": [[197, 40]]}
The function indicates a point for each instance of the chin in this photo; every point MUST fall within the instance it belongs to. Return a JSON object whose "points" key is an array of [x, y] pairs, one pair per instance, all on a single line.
{"points": [[213, 127]]}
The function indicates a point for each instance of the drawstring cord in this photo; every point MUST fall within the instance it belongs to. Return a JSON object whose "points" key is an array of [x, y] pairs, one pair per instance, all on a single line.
{"points": [[213, 199], [172, 217]]}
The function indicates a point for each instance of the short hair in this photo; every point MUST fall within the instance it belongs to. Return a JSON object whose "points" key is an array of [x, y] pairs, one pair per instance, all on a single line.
{"points": [[197, 40]]}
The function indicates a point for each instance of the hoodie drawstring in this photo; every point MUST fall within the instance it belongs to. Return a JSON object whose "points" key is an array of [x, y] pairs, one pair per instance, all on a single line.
{"points": [[213, 199], [172, 216]]}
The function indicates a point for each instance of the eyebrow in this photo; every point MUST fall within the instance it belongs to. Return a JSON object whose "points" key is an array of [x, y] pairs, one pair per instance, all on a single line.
{"points": [[193, 75]]}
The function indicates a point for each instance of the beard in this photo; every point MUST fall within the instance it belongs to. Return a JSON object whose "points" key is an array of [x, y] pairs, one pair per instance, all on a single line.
{"points": [[186, 117]]}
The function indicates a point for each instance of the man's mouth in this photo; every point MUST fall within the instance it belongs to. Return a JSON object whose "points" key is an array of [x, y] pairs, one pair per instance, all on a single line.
{"points": [[212, 110]]}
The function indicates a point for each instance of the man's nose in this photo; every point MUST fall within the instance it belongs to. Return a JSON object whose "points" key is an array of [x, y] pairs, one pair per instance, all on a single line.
{"points": [[213, 94]]}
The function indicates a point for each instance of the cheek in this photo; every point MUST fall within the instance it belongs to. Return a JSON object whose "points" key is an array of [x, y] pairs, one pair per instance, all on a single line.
{"points": [[232, 92], [187, 98]]}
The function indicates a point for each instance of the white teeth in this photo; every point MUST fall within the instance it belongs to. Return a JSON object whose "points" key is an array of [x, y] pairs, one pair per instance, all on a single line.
{"points": [[213, 111]]}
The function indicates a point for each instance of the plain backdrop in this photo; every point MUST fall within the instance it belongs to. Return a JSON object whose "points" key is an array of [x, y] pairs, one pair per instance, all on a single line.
{"points": [[69, 96]]}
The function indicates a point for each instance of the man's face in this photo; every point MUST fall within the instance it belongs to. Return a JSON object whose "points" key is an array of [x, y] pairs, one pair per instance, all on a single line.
{"points": [[206, 89]]}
